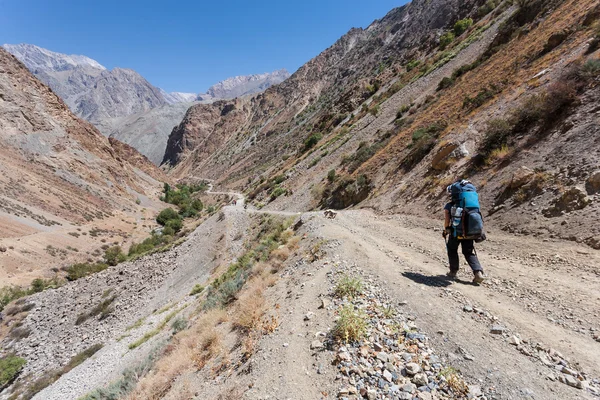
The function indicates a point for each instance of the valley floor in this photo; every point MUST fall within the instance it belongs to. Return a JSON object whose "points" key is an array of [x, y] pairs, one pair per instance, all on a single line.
{"points": [[533, 322]]}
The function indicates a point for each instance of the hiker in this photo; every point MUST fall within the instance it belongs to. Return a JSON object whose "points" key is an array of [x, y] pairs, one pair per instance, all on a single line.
{"points": [[455, 213]]}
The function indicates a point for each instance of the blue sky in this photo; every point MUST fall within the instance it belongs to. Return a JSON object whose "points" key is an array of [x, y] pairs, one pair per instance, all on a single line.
{"points": [[185, 45]]}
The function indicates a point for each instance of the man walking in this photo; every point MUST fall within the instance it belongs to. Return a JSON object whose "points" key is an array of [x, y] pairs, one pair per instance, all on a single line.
{"points": [[453, 212]]}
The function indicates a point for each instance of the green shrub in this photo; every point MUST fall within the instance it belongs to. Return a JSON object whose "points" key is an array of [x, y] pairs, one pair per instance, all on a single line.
{"points": [[278, 191], [174, 224], [331, 175], [198, 288], [114, 255], [446, 39], [487, 8], [497, 133], [10, 366], [445, 83], [311, 141], [166, 215], [590, 69], [81, 270], [461, 26], [412, 65]]}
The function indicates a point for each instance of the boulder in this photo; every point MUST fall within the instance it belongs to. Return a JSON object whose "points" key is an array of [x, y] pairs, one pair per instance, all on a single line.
{"points": [[521, 177], [573, 199], [440, 159], [592, 184]]}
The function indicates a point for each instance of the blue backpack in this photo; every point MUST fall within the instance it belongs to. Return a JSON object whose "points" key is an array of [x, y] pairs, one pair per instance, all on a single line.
{"points": [[469, 223]]}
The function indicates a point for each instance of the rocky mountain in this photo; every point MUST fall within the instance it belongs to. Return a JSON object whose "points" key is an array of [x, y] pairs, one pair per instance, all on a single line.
{"points": [[178, 97], [238, 86], [147, 131], [57, 171], [391, 114]]}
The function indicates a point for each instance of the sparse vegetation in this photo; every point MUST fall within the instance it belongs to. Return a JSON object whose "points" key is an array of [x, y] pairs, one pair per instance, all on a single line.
{"points": [[114, 255], [446, 39], [348, 286], [52, 376], [351, 326], [120, 388], [462, 26], [150, 334], [103, 309], [224, 289], [311, 141], [10, 366], [197, 289], [11, 293], [331, 176], [80, 270]]}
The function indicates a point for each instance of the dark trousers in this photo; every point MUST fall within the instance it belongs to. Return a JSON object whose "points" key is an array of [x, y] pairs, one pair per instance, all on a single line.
{"points": [[468, 250]]}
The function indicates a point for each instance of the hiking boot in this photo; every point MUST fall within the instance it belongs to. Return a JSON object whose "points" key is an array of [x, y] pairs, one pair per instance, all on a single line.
{"points": [[451, 274], [478, 277]]}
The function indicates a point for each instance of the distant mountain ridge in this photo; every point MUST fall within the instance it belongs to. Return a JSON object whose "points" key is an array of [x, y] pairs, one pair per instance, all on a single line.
{"points": [[123, 104], [243, 85]]}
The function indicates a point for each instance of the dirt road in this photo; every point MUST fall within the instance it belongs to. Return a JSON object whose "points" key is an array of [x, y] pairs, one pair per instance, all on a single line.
{"points": [[544, 294]]}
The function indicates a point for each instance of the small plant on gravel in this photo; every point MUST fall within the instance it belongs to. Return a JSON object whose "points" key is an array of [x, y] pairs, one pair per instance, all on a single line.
{"points": [[10, 366], [351, 325], [348, 286]]}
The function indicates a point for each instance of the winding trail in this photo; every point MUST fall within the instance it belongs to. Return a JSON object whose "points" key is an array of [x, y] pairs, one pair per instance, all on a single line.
{"points": [[545, 294]]}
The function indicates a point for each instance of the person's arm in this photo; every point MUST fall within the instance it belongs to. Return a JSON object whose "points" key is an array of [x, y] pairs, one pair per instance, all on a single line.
{"points": [[447, 223]]}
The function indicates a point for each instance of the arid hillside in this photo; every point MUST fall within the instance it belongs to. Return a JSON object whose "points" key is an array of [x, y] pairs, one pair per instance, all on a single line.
{"points": [[500, 93], [60, 178]]}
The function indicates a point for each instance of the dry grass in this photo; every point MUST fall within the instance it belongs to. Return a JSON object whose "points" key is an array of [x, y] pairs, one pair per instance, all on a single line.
{"points": [[251, 306], [351, 325], [498, 155], [190, 350]]}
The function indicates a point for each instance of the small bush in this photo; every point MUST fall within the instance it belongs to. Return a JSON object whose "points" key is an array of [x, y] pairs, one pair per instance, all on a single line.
{"points": [[402, 110], [166, 215], [445, 83], [114, 255], [461, 26], [174, 224], [198, 288], [179, 324], [481, 98], [104, 309], [10, 366], [311, 141], [348, 286], [351, 325], [590, 69], [497, 134], [412, 65], [77, 271], [331, 175], [446, 39]]}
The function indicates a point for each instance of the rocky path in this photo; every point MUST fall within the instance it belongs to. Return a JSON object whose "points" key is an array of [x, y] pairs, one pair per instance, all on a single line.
{"points": [[529, 332]]}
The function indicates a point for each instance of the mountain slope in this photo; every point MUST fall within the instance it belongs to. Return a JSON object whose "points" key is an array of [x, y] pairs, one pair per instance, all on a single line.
{"points": [[398, 115], [57, 171], [147, 131], [90, 90]]}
